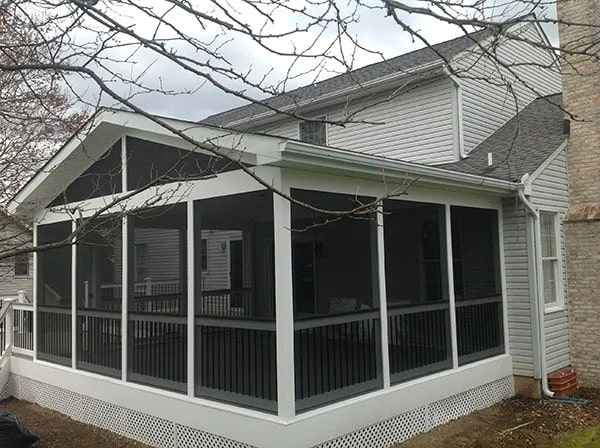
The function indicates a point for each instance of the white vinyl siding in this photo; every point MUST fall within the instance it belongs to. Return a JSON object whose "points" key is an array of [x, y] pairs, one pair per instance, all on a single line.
{"points": [[487, 101], [415, 125], [550, 191], [520, 328]]}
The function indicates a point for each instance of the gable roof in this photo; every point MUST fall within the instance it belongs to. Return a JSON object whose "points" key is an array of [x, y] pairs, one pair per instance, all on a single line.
{"points": [[521, 145], [406, 63]]}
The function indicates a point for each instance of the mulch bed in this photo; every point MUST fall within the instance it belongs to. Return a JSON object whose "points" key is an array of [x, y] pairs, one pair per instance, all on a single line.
{"points": [[59, 431], [515, 423]]}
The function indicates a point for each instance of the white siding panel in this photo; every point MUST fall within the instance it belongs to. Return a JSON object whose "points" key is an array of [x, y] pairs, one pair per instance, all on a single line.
{"points": [[517, 288], [488, 102], [415, 125], [550, 190]]}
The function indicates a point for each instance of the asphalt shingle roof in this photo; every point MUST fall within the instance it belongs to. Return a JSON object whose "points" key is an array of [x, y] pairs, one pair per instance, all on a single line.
{"points": [[521, 145], [447, 50]]}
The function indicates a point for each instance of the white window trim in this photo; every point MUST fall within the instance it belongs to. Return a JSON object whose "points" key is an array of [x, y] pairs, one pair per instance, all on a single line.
{"points": [[559, 304], [323, 117]]}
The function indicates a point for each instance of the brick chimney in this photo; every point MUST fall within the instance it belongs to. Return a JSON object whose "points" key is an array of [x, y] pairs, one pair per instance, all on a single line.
{"points": [[581, 96]]}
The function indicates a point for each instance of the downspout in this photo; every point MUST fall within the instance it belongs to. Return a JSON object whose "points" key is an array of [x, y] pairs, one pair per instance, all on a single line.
{"points": [[536, 253], [459, 113]]}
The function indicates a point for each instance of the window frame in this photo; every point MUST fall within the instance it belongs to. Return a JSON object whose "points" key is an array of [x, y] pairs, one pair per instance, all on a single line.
{"points": [[320, 118], [25, 261], [559, 303]]}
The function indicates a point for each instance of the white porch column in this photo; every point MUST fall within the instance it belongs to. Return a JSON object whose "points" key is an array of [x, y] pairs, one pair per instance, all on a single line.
{"points": [[73, 299], [284, 307], [503, 278], [451, 301], [191, 298], [124, 295], [124, 266], [35, 290], [385, 355]]}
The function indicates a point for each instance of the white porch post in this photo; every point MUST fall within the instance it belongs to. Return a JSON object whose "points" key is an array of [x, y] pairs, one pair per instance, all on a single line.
{"points": [[284, 309], [73, 298], [191, 298], [124, 295], [124, 266], [35, 290], [385, 355], [451, 301], [503, 278]]}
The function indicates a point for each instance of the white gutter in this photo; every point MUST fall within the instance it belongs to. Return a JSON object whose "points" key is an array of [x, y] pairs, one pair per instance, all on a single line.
{"points": [[321, 156], [536, 253], [459, 111]]}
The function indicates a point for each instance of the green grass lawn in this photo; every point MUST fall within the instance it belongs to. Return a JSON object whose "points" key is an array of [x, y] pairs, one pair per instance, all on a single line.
{"points": [[586, 438]]}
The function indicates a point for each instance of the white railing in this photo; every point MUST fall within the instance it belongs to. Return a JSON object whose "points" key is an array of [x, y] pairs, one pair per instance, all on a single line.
{"points": [[148, 287]]}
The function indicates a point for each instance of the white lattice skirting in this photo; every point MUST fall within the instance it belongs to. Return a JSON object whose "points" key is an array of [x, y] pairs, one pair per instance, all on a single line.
{"points": [[164, 433]]}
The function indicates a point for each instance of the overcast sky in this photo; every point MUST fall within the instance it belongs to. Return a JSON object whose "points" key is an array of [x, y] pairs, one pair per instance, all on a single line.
{"points": [[374, 31]]}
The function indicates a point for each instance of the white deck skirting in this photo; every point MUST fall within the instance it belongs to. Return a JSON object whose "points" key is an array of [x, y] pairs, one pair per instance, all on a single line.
{"points": [[164, 419]]}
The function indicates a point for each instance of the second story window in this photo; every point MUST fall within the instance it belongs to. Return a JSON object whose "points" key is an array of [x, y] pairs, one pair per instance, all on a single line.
{"points": [[22, 265], [314, 132]]}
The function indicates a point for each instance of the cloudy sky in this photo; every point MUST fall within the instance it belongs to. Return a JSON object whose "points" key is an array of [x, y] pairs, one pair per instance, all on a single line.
{"points": [[192, 97]]}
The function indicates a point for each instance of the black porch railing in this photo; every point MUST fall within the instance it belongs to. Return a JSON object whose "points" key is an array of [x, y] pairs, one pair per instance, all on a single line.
{"points": [[158, 350], [479, 328], [336, 357], [419, 340], [99, 341], [236, 361], [54, 334]]}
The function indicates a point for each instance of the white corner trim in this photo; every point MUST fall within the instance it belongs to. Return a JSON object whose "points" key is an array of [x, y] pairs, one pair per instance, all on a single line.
{"points": [[540, 169]]}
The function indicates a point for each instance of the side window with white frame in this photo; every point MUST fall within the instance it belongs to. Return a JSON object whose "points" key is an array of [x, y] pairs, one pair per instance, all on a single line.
{"points": [[552, 272], [314, 132]]}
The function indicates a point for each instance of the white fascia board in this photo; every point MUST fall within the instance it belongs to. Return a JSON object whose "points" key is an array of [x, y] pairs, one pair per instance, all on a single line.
{"points": [[364, 165], [540, 169], [218, 138], [109, 125]]}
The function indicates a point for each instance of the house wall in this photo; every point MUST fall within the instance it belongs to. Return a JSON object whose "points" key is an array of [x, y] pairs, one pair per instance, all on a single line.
{"points": [[520, 329], [415, 125], [487, 102], [550, 191], [581, 98]]}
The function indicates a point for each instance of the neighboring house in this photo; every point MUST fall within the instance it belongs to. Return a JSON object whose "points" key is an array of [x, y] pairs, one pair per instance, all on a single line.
{"points": [[358, 332], [16, 274]]}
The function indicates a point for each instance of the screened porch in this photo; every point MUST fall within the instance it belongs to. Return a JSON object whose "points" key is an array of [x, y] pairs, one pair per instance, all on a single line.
{"points": [[184, 297]]}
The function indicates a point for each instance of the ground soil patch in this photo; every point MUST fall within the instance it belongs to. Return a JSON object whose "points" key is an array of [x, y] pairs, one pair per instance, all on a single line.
{"points": [[518, 423], [59, 431]]}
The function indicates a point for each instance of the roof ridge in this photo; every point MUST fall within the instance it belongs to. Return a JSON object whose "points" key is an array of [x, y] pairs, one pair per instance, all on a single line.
{"points": [[441, 47]]}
